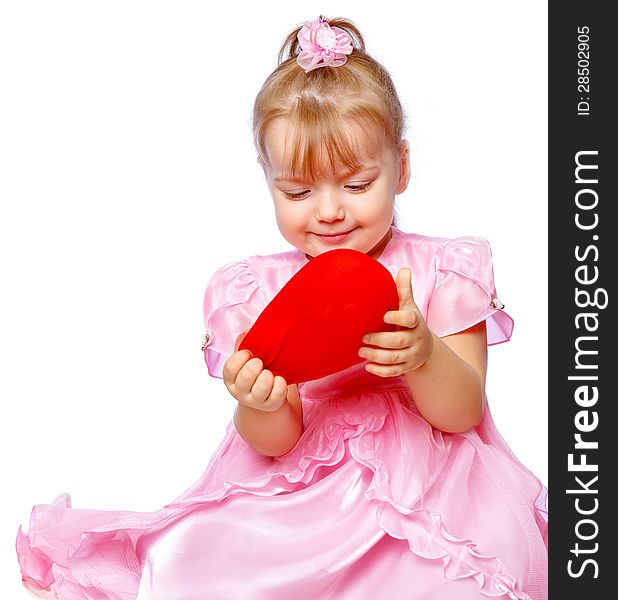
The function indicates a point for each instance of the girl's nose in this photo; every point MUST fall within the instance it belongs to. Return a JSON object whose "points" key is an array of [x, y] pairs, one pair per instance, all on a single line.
{"points": [[329, 206]]}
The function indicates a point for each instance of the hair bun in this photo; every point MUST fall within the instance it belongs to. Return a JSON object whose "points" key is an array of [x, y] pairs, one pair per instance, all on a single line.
{"points": [[291, 47]]}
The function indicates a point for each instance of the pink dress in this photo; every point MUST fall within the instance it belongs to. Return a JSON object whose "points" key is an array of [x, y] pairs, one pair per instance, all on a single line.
{"points": [[372, 502]]}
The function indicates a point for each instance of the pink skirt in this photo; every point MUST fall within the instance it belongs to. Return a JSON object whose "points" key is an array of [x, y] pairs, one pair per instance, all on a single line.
{"points": [[371, 502]]}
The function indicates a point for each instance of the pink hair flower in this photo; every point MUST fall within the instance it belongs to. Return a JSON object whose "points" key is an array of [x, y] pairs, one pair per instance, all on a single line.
{"points": [[322, 45]]}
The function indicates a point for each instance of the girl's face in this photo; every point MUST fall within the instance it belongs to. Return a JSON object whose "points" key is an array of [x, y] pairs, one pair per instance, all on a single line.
{"points": [[359, 205]]}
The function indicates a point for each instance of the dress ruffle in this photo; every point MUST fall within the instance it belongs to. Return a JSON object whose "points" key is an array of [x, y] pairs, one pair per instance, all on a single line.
{"points": [[100, 555]]}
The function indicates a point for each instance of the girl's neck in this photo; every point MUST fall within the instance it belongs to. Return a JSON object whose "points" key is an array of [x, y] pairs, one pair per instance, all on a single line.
{"points": [[377, 250]]}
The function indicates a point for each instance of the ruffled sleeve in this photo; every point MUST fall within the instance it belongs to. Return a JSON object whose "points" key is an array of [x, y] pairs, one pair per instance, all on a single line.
{"points": [[232, 303], [465, 293]]}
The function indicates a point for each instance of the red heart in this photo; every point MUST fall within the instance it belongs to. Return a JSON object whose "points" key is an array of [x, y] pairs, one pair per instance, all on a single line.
{"points": [[314, 326]]}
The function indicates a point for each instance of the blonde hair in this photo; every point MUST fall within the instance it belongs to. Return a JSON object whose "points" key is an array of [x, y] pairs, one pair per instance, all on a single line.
{"points": [[337, 115]]}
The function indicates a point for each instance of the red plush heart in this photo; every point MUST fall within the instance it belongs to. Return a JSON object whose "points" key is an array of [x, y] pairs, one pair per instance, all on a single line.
{"points": [[314, 326]]}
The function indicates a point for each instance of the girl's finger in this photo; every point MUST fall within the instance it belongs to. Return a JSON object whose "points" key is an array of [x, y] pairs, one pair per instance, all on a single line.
{"points": [[404, 318], [280, 389], [248, 373], [262, 388], [404, 288], [385, 370], [391, 339], [235, 363], [384, 356]]}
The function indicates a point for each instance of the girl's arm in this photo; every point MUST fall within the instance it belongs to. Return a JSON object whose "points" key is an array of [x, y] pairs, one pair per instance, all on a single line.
{"points": [[446, 375], [449, 389], [271, 433]]}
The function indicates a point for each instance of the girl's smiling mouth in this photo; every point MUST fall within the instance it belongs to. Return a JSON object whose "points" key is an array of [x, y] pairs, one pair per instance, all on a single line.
{"points": [[338, 237]]}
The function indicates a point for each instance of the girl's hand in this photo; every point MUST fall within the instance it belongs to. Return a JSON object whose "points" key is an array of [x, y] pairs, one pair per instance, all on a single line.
{"points": [[250, 384], [410, 346]]}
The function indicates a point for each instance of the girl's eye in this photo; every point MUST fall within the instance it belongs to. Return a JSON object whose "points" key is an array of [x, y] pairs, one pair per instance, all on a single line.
{"points": [[296, 196], [359, 188], [353, 188]]}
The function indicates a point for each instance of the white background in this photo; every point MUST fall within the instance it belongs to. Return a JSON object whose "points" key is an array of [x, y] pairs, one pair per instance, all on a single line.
{"points": [[128, 176]]}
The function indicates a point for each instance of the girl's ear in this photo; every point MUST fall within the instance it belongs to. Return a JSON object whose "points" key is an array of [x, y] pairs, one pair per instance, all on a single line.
{"points": [[261, 163], [404, 166]]}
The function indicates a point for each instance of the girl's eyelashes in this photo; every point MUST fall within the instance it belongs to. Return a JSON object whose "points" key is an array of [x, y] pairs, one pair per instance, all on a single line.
{"points": [[360, 187], [357, 188], [296, 196]]}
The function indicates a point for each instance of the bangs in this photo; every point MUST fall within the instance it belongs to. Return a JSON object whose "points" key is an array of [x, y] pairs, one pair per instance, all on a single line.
{"points": [[321, 142]]}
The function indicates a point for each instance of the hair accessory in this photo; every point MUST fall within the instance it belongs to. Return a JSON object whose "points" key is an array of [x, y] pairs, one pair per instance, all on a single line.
{"points": [[322, 45]]}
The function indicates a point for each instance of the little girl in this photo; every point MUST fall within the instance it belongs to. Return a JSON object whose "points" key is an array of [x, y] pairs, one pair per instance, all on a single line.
{"points": [[385, 480]]}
